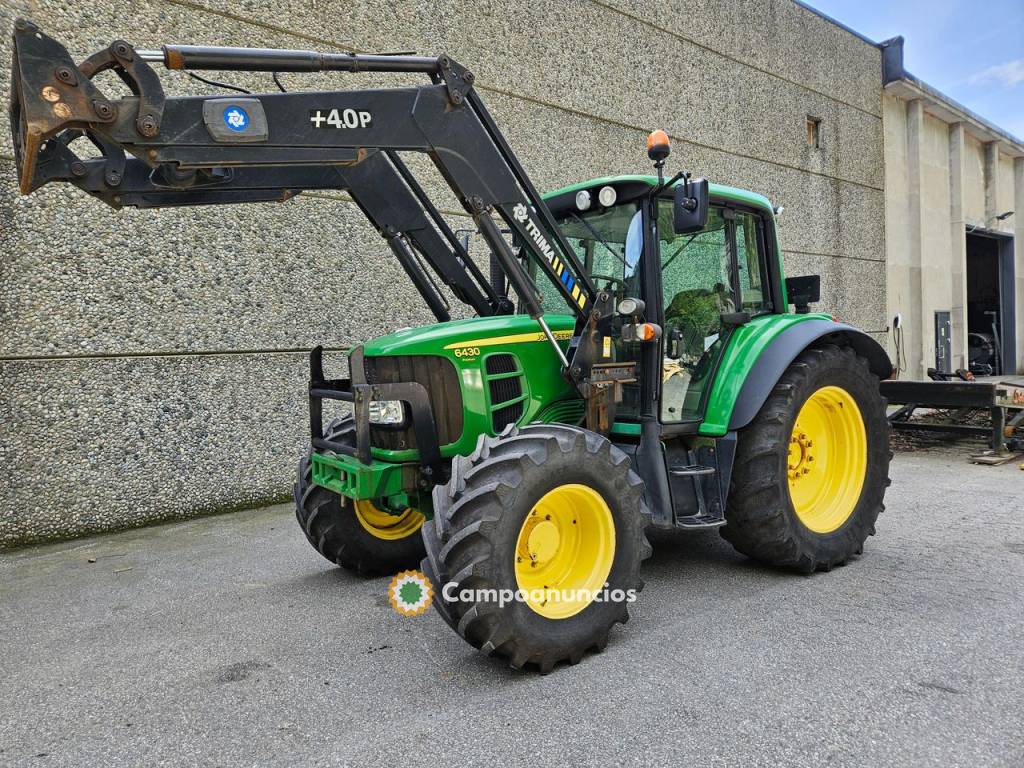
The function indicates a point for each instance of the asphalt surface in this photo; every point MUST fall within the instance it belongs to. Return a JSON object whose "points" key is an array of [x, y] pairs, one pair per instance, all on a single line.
{"points": [[228, 641]]}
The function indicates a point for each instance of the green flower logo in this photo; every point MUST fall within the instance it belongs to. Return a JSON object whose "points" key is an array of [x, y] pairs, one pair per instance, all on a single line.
{"points": [[410, 593]]}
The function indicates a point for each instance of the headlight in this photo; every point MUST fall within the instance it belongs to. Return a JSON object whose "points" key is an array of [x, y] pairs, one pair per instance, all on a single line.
{"points": [[607, 196], [387, 412]]}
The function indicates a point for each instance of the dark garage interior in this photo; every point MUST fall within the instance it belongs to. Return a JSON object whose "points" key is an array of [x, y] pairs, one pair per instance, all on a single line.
{"points": [[990, 314]]}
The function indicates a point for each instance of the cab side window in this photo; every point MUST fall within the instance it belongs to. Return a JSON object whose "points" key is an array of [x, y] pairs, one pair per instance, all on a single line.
{"points": [[750, 254]]}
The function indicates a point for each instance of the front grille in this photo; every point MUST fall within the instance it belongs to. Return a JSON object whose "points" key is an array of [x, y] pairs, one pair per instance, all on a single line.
{"points": [[501, 364], [441, 380], [504, 389], [507, 415]]}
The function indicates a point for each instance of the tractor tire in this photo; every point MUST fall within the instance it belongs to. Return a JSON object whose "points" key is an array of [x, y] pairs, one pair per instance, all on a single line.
{"points": [[540, 507], [361, 539], [785, 509]]}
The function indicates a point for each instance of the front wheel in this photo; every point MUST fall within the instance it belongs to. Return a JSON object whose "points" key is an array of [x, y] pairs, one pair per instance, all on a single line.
{"points": [[812, 468], [549, 513], [357, 535]]}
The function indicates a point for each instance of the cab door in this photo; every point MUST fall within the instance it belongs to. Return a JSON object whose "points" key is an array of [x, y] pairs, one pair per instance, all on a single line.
{"points": [[718, 271]]}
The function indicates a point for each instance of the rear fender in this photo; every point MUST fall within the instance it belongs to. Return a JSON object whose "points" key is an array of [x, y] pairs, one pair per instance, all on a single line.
{"points": [[776, 357], [786, 347]]}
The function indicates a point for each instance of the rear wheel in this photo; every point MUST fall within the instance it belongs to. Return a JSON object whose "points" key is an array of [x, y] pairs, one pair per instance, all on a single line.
{"points": [[552, 512], [359, 535], [812, 468]]}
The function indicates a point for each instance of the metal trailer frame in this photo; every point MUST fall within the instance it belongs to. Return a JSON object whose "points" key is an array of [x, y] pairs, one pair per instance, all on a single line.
{"points": [[995, 397]]}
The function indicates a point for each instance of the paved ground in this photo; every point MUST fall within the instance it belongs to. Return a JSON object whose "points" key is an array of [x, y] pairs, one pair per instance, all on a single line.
{"points": [[227, 641]]}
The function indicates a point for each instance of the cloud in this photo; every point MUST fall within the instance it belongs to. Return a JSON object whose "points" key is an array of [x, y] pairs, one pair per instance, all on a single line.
{"points": [[1009, 74]]}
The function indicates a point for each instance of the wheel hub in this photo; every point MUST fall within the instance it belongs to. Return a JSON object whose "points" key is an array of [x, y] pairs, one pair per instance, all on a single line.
{"points": [[827, 459], [383, 525], [566, 545], [542, 539], [801, 455]]}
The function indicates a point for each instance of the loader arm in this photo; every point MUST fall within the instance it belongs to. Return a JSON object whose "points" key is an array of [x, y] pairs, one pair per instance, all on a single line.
{"points": [[160, 151]]}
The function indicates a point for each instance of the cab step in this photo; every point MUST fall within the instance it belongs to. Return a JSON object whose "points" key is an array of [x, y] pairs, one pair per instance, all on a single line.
{"points": [[706, 509], [696, 522], [691, 470]]}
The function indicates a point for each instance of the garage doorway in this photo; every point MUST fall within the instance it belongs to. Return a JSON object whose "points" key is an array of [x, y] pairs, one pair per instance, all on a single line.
{"points": [[991, 314]]}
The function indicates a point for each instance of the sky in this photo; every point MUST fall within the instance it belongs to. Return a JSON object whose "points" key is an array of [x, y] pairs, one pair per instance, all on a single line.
{"points": [[971, 50]]}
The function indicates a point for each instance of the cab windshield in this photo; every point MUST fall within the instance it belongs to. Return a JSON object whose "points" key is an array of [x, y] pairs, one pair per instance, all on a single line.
{"points": [[608, 242]]}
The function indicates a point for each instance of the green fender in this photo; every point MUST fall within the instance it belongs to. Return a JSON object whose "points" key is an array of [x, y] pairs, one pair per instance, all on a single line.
{"points": [[759, 352]]}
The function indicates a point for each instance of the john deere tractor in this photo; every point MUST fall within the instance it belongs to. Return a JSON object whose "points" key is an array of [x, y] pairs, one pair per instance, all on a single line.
{"points": [[630, 362]]}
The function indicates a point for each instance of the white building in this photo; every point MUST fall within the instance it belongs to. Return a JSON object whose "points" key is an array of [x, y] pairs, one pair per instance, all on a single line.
{"points": [[954, 224]]}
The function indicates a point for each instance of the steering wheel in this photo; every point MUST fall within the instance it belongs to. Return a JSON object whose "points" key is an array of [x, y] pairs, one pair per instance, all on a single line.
{"points": [[612, 281]]}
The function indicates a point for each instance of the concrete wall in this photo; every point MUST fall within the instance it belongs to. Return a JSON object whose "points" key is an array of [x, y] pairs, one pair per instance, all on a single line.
{"points": [[941, 181], [936, 273], [903, 270], [151, 364], [974, 181]]}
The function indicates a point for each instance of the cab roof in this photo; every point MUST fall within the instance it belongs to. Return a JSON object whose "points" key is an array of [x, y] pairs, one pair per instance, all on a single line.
{"points": [[717, 191]]}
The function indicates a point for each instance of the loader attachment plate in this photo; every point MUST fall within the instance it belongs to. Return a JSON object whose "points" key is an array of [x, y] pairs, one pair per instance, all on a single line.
{"points": [[49, 94]]}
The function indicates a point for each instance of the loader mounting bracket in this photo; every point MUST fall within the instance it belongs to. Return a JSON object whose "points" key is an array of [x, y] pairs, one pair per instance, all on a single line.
{"points": [[53, 94], [457, 79]]}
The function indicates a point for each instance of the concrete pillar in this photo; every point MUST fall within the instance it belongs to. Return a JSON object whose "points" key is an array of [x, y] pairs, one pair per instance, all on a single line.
{"points": [[958, 243], [917, 328], [1018, 254], [992, 184]]}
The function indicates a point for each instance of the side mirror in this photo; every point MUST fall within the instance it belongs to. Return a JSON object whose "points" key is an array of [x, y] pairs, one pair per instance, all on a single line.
{"points": [[803, 291], [734, 319], [690, 207]]}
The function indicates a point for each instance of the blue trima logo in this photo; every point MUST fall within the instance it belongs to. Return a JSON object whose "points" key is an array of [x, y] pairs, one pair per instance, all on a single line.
{"points": [[236, 119]]}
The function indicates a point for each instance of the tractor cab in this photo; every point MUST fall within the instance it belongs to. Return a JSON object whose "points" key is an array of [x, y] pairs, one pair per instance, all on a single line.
{"points": [[698, 286]]}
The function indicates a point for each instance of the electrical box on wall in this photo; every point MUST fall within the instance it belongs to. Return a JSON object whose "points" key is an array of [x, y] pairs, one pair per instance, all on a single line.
{"points": [[943, 342]]}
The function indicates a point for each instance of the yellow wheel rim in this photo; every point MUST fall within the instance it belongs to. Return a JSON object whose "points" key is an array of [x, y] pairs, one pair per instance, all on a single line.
{"points": [[828, 459], [385, 526], [565, 551]]}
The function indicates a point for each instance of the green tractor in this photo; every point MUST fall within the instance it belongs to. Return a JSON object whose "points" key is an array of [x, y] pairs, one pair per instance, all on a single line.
{"points": [[630, 364]]}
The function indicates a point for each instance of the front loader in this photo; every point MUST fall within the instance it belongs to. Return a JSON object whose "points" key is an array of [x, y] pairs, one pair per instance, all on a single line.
{"points": [[631, 362]]}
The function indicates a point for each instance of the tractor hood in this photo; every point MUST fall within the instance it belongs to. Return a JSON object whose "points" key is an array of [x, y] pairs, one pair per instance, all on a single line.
{"points": [[442, 338]]}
